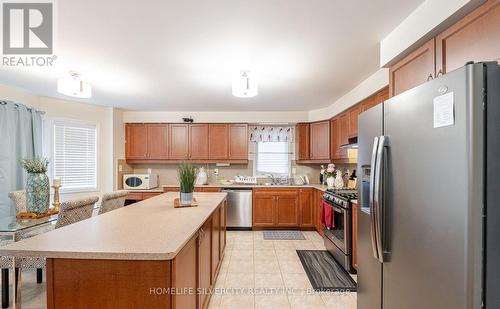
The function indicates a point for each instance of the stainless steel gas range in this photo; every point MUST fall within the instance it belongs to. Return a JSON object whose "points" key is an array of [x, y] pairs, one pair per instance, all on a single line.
{"points": [[338, 234]]}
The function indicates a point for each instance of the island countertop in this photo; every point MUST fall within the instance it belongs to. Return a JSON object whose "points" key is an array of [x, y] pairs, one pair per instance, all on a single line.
{"points": [[149, 230]]}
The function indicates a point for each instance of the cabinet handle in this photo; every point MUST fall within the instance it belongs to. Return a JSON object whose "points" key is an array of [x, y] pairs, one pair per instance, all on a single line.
{"points": [[429, 77]]}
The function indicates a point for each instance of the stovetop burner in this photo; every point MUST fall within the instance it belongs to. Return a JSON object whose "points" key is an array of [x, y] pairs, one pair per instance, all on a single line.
{"points": [[341, 197]]}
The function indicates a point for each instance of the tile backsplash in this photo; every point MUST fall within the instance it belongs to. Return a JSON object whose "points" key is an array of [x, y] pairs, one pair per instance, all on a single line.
{"points": [[167, 173]]}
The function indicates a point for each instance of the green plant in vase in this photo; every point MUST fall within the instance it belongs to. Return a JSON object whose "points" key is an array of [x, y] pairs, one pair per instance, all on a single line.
{"points": [[187, 176], [37, 185]]}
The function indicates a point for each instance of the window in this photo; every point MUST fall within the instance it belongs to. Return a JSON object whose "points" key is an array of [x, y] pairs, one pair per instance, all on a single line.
{"points": [[75, 155], [272, 158]]}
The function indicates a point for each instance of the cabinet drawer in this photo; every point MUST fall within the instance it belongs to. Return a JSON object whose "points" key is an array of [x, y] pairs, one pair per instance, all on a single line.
{"points": [[136, 196]]}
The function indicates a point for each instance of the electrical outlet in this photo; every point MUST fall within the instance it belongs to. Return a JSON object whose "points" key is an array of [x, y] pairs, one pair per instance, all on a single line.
{"points": [[294, 171], [216, 171], [120, 168], [149, 171]]}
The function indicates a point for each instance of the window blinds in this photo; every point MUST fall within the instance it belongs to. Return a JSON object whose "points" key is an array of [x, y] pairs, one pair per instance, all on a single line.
{"points": [[75, 155], [273, 158]]}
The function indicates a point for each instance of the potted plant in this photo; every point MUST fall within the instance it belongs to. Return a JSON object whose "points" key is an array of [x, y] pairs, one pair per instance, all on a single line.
{"points": [[330, 175], [37, 185], [187, 177]]}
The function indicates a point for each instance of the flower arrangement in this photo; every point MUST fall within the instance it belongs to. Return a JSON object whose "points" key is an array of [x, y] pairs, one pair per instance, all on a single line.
{"points": [[331, 171], [36, 165]]}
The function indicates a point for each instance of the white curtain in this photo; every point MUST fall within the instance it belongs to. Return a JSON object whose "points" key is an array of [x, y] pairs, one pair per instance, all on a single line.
{"points": [[271, 134], [20, 137]]}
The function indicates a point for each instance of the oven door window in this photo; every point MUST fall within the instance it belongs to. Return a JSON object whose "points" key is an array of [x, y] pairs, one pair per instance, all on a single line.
{"points": [[338, 229], [133, 182]]}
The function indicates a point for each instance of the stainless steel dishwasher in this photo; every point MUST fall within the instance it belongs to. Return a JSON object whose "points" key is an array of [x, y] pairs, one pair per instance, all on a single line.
{"points": [[239, 208]]}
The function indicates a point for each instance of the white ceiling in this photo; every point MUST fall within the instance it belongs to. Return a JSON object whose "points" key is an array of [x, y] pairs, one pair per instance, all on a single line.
{"points": [[181, 55]]}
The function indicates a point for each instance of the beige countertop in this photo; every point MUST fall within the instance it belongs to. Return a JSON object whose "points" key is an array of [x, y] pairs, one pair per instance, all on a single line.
{"points": [[149, 230], [316, 186]]}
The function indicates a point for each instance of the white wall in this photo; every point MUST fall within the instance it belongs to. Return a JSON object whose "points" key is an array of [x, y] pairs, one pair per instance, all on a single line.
{"points": [[64, 109], [421, 25], [366, 88], [211, 117]]}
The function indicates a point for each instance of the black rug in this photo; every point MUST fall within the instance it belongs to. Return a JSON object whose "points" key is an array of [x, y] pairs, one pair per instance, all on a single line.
{"points": [[325, 274]]}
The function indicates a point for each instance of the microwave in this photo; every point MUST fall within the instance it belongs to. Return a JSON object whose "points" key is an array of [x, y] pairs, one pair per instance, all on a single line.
{"points": [[140, 181]]}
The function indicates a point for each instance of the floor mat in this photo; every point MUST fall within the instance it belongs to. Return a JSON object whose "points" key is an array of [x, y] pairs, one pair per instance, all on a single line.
{"points": [[283, 235], [324, 273]]}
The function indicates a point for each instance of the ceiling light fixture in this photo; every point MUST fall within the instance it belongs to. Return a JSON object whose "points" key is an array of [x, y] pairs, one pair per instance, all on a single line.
{"points": [[74, 86], [245, 85]]}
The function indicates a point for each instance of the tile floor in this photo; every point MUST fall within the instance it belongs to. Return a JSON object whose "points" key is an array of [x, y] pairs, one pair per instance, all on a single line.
{"points": [[273, 268], [250, 264]]}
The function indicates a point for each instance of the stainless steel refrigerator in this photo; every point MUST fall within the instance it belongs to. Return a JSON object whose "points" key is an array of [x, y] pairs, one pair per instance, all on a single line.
{"points": [[429, 219]]}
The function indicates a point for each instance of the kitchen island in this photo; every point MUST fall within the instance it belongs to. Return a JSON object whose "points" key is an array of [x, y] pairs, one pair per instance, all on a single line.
{"points": [[147, 255]]}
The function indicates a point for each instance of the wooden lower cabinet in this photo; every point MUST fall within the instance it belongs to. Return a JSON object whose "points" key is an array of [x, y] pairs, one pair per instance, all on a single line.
{"points": [[185, 275], [355, 235], [216, 231], [306, 205], [204, 263], [318, 201], [223, 222], [287, 209], [139, 196], [196, 189], [263, 209]]}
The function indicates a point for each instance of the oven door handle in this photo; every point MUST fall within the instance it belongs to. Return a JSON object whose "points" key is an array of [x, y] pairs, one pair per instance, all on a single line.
{"points": [[372, 198], [378, 196]]}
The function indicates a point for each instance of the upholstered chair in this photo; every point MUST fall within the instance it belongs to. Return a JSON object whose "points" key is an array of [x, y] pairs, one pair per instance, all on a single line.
{"points": [[113, 200], [69, 212], [19, 199]]}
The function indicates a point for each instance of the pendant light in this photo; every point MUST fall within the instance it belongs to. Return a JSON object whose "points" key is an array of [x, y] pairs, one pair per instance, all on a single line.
{"points": [[73, 86]]}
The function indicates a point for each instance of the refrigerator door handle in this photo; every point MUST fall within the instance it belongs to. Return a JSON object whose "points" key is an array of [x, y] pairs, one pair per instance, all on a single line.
{"points": [[372, 197], [378, 195]]}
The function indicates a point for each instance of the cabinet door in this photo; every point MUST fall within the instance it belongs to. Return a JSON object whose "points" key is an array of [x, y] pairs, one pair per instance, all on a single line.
{"points": [[136, 139], [157, 141], [238, 141], [198, 141], [263, 209], [474, 38], [413, 70], [185, 275], [306, 201], [335, 138], [320, 140], [215, 243], [353, 120], [204, 262], [302, 141], [287, 209], [179, 141], [355, 235], [218, 141], [344, 128], [223, 222]]}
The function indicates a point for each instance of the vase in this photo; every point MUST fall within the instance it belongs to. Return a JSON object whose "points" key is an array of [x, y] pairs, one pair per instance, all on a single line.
{"points": [[339, 181], [186, 198], [330, 181], [37, 193]]}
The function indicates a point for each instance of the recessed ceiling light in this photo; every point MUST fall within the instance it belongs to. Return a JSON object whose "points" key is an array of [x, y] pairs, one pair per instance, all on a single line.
{"points": [[73, 86], [245, 85]]}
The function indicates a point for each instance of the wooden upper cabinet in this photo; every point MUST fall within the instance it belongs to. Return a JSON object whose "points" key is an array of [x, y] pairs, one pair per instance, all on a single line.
{"points": [[344, 128], [476, 37], [353, 114], [198, 141], [238, 142], [218, 141], [369, 103], [179, 141], [320, 140], [302, 141], [136, 139], [158, 141], [335, 138], [413, 70]]}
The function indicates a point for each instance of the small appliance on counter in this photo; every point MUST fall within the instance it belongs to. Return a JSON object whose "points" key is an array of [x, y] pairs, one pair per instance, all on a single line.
{"points": [[140, 181]]}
